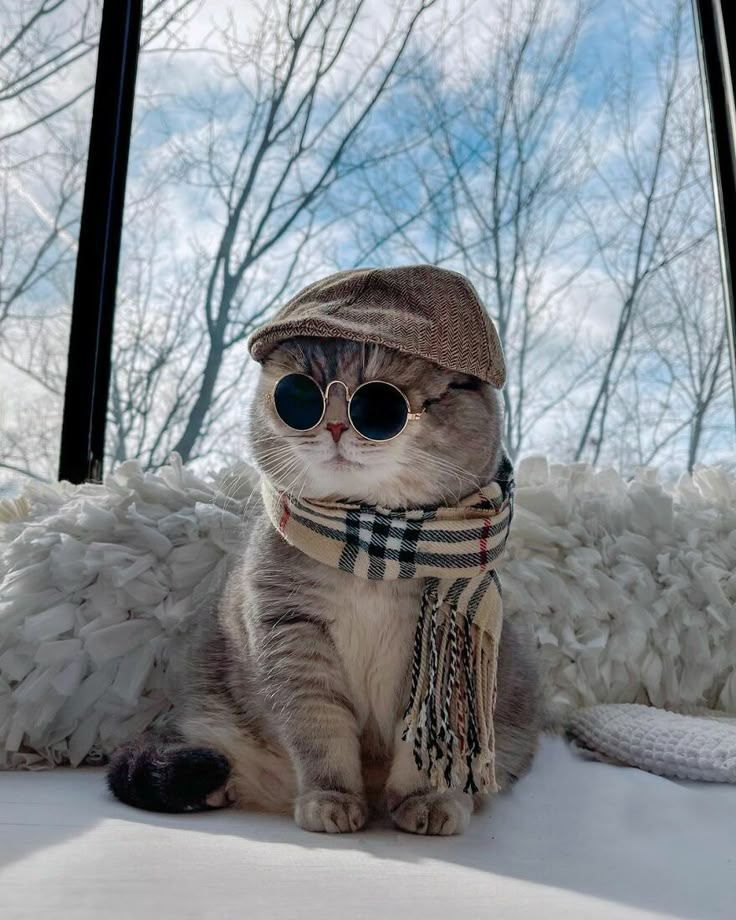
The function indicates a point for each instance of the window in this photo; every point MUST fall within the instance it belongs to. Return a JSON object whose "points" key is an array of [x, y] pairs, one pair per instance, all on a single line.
{"points": [[555, 152]]}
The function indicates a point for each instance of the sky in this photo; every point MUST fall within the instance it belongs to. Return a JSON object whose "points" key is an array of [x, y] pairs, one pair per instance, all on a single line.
{"points": [[172, 84]]}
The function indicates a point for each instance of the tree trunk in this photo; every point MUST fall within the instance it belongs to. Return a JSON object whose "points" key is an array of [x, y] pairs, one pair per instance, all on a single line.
{"points": [[696, 433], [185, 445]]}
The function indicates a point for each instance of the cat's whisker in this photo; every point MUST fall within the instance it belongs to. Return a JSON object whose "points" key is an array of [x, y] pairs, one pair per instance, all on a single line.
{"points": [[283, 471], [465, 484], [419, 452], [226, 497], [287, 489], [441, 464], [306, 474], [275, 453]]}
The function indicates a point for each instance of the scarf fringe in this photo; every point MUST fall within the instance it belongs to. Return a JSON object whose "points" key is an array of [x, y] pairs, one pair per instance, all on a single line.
{"points": [[449, 719]]}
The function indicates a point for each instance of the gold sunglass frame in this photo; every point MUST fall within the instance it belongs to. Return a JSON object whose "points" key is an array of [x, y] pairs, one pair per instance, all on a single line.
{"points": [[410, 416]]}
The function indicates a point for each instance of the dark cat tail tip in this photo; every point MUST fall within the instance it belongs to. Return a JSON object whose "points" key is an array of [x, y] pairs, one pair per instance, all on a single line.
{"points": [[156, 777]]}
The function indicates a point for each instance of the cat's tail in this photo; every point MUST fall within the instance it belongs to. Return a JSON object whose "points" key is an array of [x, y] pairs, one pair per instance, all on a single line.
{"points": [[157, 771]]}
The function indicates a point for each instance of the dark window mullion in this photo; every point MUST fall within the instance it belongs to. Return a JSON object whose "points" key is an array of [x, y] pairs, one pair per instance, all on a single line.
{"points": [[90, 341], [717, 52]]}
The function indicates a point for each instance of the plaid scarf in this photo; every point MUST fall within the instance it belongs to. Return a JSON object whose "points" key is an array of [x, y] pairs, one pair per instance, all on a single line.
{"points": [[449, 719]]}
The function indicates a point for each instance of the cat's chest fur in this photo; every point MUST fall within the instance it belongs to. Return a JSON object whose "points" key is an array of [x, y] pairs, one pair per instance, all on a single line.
{"points": [[372, 624]]}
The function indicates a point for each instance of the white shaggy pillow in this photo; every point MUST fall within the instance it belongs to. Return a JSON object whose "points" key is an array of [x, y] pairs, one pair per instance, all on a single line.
{"points": [[630, 589], [97, 588]]}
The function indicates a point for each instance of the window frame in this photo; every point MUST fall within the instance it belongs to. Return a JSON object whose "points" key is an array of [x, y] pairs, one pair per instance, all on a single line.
{"points": [[98, 256], [716, 40]]}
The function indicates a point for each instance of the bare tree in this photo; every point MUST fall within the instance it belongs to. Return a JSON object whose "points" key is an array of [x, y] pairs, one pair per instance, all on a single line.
{"points": [[159, 340], [490, 191], [684, 334], [274, 136], [41, 46], [47, 68], [648, 209], [262, 158]]}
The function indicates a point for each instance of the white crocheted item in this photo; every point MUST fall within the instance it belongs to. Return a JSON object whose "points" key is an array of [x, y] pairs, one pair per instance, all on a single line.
{"points": [[681, 746]]}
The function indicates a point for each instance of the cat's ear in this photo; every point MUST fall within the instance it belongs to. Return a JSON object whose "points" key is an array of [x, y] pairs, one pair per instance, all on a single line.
{"points": [[464, 382], [453, 382]]}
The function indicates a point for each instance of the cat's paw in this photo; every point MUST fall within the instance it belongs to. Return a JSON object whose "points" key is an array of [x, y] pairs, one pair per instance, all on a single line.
{"points": [[330, 812], [223, 797], [432, 813]]}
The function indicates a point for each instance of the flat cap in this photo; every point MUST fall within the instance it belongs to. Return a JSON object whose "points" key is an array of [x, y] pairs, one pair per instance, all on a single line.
{"points": [[420, 310]]}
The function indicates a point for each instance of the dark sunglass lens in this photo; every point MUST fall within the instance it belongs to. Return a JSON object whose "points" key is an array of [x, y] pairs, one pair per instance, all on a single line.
{"points": [[378, 411], [298, 401]]}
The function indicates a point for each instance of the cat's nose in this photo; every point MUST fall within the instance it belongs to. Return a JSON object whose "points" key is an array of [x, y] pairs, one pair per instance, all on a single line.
{"points": [[336, 429]]}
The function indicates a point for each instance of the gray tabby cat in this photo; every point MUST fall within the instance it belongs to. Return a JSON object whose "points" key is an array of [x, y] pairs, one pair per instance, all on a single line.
{"points": [[299, 680]]}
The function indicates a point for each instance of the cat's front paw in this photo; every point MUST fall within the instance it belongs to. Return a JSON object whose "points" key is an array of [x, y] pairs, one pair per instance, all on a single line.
{"points": [[223, 797], [330, 812], [432, 813]]}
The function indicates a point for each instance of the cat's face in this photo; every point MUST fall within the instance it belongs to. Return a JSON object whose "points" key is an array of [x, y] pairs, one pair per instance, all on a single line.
{"points": [[449, 452]]}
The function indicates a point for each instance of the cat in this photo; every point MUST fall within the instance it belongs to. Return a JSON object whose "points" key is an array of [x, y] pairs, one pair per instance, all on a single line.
{"points": [[298, 680]]}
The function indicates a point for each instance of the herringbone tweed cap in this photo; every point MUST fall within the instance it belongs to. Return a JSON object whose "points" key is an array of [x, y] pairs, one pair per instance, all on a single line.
{"points": [[419, 310]]}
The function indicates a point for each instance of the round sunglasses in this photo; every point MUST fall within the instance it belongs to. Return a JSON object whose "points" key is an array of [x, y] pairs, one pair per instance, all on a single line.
{"points": [[377, 411]]}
